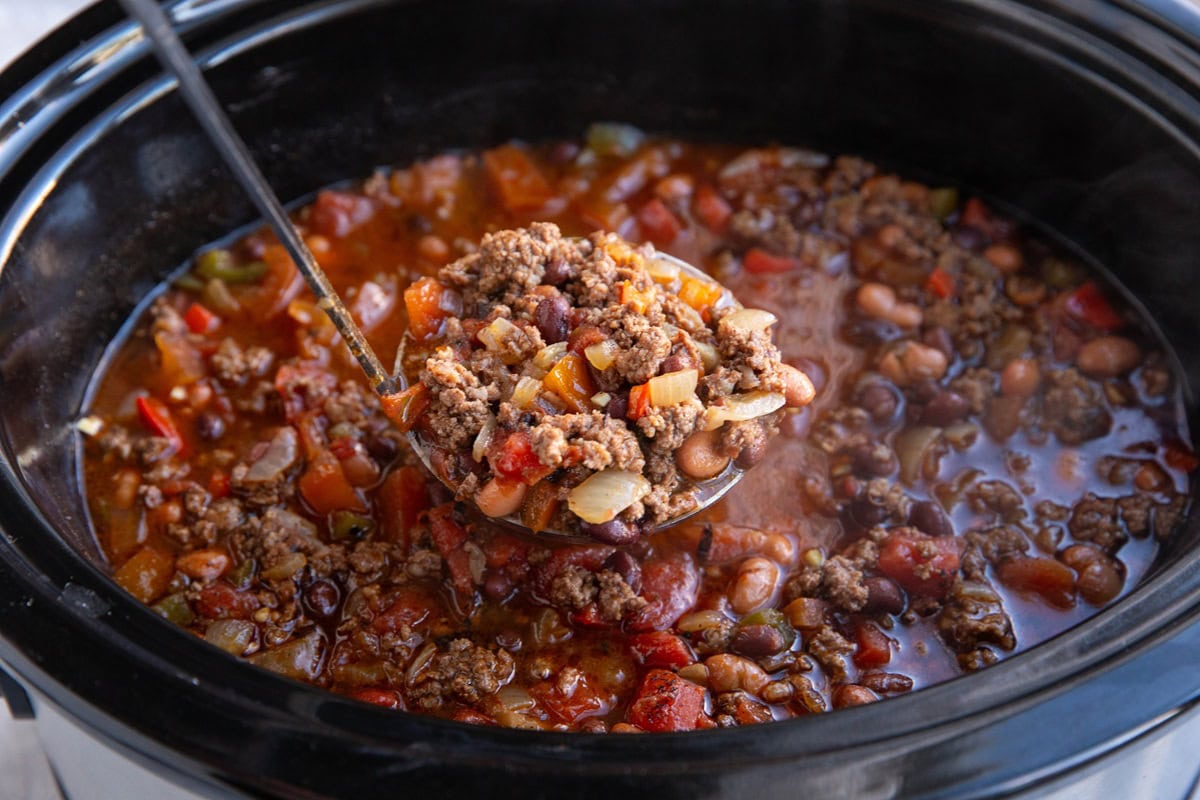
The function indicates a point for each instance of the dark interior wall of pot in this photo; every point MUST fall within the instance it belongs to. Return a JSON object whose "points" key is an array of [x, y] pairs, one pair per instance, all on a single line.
{"points": [[994, 101]]}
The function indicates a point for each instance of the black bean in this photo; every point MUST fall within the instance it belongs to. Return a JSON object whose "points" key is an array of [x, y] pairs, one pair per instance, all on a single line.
{"points": [[557, 272], [939, 339], [382, 448], [874, 461], [496, 585], [752, 454], [945, 409], [615, 531], [756, 641], [210, 427], [550, 317], [880, 400], [627, 567], [884, 596], [866, 514], [928, 517], [321, 598], [618, 406]]}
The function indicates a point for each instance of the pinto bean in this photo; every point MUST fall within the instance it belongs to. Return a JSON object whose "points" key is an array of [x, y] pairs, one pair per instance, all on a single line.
{"points": [[754, 585], [499, 498], [798, 389], [1108, 357], [1020, 378], [1004, 257], [205, 565], [730, 673], [700, 456]]}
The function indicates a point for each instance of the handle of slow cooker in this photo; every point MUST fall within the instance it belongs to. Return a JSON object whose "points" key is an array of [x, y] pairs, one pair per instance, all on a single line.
{"points": [[15, 695]]}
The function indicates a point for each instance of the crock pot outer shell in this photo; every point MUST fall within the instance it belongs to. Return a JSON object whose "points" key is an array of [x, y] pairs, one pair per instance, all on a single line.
{"points": [[1014, 101]]}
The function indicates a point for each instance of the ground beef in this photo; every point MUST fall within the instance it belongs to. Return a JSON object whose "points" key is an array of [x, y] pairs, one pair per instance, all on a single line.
{"points": [[842, 584], [1074, 408], [267, 480], [1097, 520], [509, 265], [460, 402], [615, 597], [594, 440], [972, 617], [234, 366], [462, 671], [830, 648], [997, 497]]}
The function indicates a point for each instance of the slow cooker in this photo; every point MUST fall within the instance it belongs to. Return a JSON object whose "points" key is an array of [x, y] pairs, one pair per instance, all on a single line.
{"points": [[1081, 114]]}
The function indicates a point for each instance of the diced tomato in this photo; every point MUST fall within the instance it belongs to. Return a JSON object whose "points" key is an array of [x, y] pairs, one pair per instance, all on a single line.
{"points": [[639, 401], [923, 565], [589, 617], [712, 209], [661, 649], [515, 460], [157, 417], [221, 601], [387, 698], [589, 557], [600, 213], [940, 283], [517, 181], [405, 408], [759, 262], [1047, 578], [182, 363], [147, 574], [658, 223], [411, 605], [571, 381], [874, 646], [579, 700], [502, 550], [271, 295], [325, 488], [403, 495], [200, 320], [335, 214], [666, 702], [219, 484], [471, 717], [458, 564], [423, 302], [446, 533], [1088, 303], [584, 337], [671, 585]]}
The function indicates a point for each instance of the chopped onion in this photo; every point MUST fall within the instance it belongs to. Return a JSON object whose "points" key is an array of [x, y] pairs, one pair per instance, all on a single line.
{"points": [[298, 659], [673, 388], [526, 392], [484, 438], [280, 456], [90, 425], [419, 662], [913, 447], [234, 636], [515, 698], [749, 320], [605, 494], [550, 355], [700, 620], [601, 399], [742, 407], [709, 356], [689, 318], [601, 355], [662, 271], [496, 334], [288, 566]]}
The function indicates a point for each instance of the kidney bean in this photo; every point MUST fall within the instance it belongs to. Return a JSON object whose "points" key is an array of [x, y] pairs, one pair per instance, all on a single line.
{"points": [[939, 339], [615, 531], [875, 461], [550, 317], [851, 694], [945, 409], [757, 641], [1108, 356], [928, 517], [678, 361], [210, 427], [496, 585], [866, 514], [321, 598], [884, 596], [618, 406], [880, 400], [557, 272], [627, 567]]}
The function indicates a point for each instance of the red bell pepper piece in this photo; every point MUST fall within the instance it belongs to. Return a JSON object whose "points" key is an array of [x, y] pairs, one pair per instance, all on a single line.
{"points": [[157, 417], [759, 262], [657, 222], [200, 320], [1088, 304], [661, 649], [940, 283], [903, 559], [712, 209]]}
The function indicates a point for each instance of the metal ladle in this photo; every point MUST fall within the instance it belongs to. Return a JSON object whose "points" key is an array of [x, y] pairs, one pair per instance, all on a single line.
{"points": [[199, 98]]}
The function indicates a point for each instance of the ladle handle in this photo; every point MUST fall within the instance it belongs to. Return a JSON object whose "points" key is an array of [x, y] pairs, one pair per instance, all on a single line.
{"points": [[200, 99]]}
